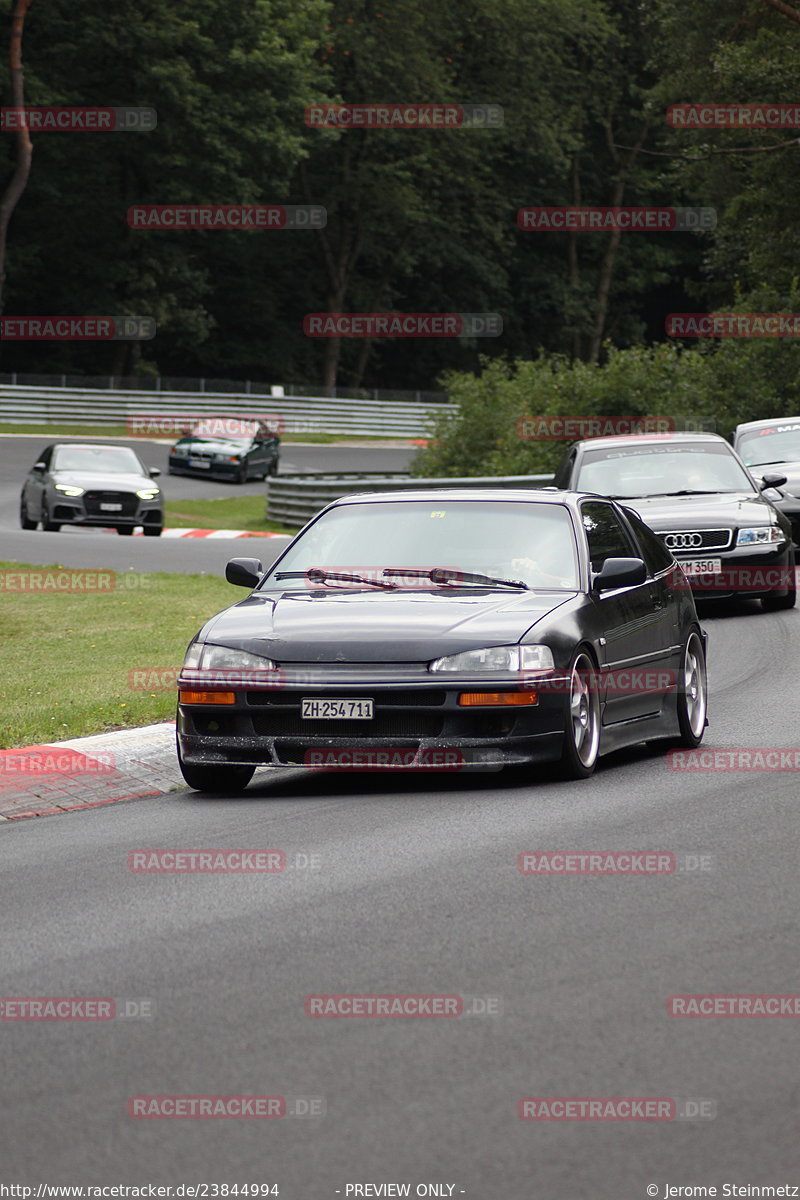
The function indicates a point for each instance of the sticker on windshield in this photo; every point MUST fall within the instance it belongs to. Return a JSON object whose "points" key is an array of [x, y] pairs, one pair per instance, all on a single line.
{"points": [[438, 514]]}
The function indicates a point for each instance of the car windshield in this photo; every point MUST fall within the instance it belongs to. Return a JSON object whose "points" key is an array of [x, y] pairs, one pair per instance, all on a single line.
{"points": [[662, 470], [532, 543], [106, 459], [778, 444]]}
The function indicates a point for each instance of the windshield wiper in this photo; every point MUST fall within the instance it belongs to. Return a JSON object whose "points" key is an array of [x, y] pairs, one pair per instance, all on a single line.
{"points": [[445, 575], [318, 575], [685, 492]]}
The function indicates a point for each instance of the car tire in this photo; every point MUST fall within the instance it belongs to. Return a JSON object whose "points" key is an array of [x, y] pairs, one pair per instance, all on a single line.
{"points": [[581, 719], [779, 603], [152, 530], [24, 520], [692, 693], [219, 777], [47, 525], [241, 474], [273, 468]]}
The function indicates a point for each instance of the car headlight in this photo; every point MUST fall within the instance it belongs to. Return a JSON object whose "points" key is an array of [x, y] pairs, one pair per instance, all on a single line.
{"points": [[69, 490], [205, 657], [148, 493], [497, 658], [759, 535]]}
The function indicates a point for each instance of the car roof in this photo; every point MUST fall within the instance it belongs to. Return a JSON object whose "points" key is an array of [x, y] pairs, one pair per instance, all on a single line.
{"points": [[531, 495], [86, 446], [766, 423], [649, 439]]}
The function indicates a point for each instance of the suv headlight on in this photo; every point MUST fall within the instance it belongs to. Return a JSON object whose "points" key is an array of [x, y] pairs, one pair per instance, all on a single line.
{"points": [[148, 493], [760, 535], [68, 489], [497, 659]]}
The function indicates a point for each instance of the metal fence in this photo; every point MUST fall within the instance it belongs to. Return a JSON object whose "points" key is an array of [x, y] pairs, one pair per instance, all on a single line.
{"points": [[294, 499], [247, 387], [147, 414]]}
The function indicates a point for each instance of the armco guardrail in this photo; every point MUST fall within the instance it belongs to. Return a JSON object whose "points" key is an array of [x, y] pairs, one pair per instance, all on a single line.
{"points": [[293, 414], [294, 499]]}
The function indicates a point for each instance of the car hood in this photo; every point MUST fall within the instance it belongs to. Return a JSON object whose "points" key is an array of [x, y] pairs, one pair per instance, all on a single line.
{"points": [[94, 481], [692, 512], [359, 626]]}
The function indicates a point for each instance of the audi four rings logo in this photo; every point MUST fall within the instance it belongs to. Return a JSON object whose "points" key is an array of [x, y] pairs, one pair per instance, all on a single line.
{"points": [[683, 541]]}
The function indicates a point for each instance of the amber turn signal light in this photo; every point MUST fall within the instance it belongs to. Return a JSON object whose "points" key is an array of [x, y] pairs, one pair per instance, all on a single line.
{"points": [[478, 699], [207, 697]]}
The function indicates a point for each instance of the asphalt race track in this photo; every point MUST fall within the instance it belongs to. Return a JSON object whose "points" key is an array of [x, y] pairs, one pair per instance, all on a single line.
{"points": [[409, 884], [416, 890]]}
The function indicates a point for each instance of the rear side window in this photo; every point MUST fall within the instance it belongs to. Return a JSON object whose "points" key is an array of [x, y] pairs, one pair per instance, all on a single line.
{"points": [[605, 533], [654, 552]]}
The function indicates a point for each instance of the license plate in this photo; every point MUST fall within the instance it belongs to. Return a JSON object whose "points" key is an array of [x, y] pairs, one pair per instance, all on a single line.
{"points": [[337, 710], [111, 508], [702, 566], [201, 463]]}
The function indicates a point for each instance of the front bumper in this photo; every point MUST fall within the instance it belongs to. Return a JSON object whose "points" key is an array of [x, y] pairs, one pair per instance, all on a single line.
{"points": [[746, 573], [221, 469], [415, 725], [68, 510]]}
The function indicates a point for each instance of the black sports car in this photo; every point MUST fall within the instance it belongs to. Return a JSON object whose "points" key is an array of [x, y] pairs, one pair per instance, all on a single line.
{"points": [[82, 483], [695, 492], [775, 444], [228, 448], [455, 628]]}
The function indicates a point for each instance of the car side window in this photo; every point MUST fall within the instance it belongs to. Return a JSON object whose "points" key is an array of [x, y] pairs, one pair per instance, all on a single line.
{"points": [[606, 535], [655, 554]]}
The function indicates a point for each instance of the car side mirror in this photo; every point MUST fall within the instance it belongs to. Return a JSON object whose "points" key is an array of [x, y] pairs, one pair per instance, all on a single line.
{"points": [[40, 468], [772, 480], [154, 472], [619, 573], [246, 572]]}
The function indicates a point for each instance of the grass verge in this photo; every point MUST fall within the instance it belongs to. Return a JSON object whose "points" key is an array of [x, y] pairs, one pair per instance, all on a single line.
{"points": [[77, 662], [225, 512]]}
